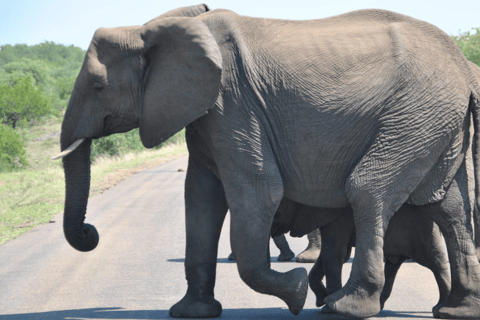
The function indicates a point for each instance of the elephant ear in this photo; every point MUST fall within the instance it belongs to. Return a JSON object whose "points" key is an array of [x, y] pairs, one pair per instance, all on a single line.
{"points": [[183, 76], [190, 11]]}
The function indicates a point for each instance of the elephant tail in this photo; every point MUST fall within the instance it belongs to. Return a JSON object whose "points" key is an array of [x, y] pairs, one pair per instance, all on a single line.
{"points": [[474, 107]]}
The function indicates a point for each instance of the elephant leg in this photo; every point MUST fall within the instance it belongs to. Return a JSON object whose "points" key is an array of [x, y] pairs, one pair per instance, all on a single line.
{"points": [[476, 226], [315, 277], [311, 253], [286, 254], [430, 252], [336, 250], [451, 215], [250, 237], [392, 264], [205, 210], [254, 194], [375, 192], [360, 297]]}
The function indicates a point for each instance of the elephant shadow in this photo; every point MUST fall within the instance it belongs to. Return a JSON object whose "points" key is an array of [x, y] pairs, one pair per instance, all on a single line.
{"points": [[225, 260], [233, 314]]}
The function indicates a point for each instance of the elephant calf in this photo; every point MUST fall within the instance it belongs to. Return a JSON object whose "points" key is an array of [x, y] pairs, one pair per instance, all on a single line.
{"points": [[410, 234]]}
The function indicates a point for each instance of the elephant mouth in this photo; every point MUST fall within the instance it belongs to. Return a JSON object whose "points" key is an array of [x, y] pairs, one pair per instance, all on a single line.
{"points": [[112, 124]]}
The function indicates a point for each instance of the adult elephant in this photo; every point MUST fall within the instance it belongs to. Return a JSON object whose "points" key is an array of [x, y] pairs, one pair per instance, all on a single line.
{"points": [[368, 109]]}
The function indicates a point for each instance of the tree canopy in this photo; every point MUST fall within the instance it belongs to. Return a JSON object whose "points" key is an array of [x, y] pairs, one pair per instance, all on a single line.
{"points": [[36, 80], [469, 43]]}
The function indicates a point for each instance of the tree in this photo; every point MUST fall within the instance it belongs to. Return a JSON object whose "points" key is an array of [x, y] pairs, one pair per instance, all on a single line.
{"points": [[22, 101], [12, 149], [39, 70], [469, 43]]}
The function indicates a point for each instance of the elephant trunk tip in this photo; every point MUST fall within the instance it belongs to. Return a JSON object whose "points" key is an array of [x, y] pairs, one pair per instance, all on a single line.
{"points": [[84, 240]]}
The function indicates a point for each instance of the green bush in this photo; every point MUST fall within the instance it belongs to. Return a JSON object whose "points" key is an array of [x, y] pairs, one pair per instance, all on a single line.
{"points": [[24, 101], [12, 150], [469, 43], [122, 143]]}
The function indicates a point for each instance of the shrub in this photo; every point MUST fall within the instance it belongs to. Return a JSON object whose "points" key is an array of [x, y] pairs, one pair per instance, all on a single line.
{"points": [[12, 150], [24, 101], [122, 143], [469, 43]]}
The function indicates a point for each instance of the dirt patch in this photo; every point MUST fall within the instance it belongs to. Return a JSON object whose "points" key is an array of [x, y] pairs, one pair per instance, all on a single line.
{"points": [[119, 175], [25, 224]]}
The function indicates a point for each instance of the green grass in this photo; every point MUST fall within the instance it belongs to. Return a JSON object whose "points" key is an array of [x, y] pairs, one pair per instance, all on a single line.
{"points": [[32, 196]]}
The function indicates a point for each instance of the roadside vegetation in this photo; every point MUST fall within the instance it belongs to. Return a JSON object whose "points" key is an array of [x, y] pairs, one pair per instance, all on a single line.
{"points": [[36, 83]]}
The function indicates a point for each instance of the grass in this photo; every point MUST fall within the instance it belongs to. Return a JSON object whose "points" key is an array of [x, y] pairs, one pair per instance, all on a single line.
{"points": [[32, 196]]}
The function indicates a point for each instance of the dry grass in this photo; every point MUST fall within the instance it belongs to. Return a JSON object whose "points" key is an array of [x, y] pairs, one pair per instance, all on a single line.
{"points": [[31, 197]]}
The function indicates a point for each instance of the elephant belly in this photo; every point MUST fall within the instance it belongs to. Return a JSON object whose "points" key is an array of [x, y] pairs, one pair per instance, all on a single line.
{"points": [[316, 181]]}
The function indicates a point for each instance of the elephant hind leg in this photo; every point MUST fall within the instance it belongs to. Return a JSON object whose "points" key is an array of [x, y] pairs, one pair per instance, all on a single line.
{"points": [[377, 187], [430, 252], [311, 253], [463, 301]]}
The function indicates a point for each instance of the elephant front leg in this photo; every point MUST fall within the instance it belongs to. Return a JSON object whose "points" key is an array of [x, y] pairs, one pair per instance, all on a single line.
{"points": [[286, 254], [392, 265], [253, 199], [205, 208]]}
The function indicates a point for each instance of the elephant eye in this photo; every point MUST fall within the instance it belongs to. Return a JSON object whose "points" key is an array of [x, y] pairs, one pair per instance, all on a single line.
{"points": [[97, 86]]}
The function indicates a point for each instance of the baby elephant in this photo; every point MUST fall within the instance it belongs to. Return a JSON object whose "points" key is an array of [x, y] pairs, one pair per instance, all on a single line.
{"points": [[410, 235]]}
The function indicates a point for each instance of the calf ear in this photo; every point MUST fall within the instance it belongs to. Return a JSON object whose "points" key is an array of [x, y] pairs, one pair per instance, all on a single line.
{"points": [[183, 77]]}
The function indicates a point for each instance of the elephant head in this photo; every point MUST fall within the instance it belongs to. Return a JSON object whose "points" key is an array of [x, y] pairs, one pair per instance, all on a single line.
{"points": [[158, 77]]}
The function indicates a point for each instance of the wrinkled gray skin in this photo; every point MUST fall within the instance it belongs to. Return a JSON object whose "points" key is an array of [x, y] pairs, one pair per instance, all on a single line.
{"points": [[368, 109]]}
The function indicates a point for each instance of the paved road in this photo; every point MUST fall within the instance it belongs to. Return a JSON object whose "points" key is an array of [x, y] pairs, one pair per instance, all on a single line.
{"points": [[137, 272]]}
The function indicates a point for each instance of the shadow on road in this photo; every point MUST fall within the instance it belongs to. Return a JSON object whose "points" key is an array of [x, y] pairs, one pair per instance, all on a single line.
{"points": [[251, 313], [225, 260]]}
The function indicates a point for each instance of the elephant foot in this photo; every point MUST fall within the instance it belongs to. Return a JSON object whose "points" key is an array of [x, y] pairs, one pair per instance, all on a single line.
{"points": [[382, 305], [353, 303], [231, 257], [196, 307], [309, 255], [466, 308], [315, 282], [286, 255], [295, 299], [327, 310]]}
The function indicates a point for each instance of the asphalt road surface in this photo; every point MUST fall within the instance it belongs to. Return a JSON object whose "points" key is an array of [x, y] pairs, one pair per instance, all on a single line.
{"points": [[137, 272]]}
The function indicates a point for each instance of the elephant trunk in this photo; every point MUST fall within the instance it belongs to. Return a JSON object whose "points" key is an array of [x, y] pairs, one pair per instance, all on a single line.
{"points": [[76, 165]]}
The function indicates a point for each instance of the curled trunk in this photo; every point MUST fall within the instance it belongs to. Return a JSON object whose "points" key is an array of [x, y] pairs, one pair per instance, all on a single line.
{"points": [[81, 236]]}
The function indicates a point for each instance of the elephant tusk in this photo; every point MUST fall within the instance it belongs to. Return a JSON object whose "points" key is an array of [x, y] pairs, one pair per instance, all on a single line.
{"points": [[69, 149]]}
